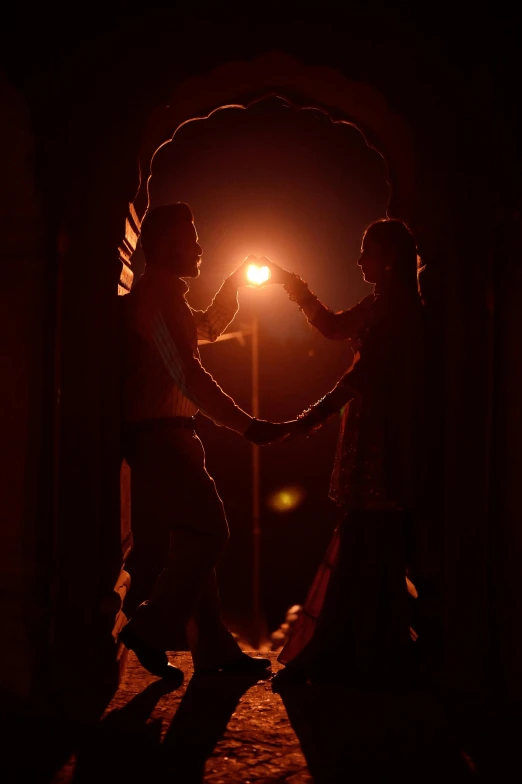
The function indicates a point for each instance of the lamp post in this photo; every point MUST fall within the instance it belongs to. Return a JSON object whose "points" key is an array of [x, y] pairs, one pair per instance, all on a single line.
{"points": [[256, 506], [258, 632], [258, 276]]}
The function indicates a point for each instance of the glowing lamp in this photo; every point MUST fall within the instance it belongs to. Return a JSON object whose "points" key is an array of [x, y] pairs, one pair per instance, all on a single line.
{"points": [[286, 498], [257, 274]]}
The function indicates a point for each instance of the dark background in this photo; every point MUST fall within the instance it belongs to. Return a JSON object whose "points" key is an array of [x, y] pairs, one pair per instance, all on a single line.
{"points": [[89, 79], [292, 185]]}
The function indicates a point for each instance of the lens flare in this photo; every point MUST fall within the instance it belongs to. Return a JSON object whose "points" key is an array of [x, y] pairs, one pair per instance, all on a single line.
{"points": [[286, 498], [258, 275]]}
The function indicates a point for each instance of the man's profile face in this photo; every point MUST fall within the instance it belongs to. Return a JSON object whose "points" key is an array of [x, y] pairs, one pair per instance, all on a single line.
{"points": [[182, 250]]}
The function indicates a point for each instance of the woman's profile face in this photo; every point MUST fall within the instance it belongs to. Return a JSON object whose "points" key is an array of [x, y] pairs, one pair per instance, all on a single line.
{"points": [[374, 261]]}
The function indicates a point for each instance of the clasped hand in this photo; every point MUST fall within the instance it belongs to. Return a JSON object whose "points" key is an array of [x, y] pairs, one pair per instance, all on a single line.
{"points": [[277, 273], [262, 432], [239, 277]]}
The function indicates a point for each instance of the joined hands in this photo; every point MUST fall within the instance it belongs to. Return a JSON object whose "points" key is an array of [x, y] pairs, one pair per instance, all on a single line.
{"points": [[239, 278], [262, 432], [278, 275]]}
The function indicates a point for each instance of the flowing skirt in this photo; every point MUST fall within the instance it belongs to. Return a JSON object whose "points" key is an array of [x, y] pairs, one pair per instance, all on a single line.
{"points": [[357, 615]]}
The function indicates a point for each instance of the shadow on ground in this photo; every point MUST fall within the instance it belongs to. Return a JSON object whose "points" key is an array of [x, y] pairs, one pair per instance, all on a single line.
{"points": [[156, 734], [36, 742], [126, 746]]}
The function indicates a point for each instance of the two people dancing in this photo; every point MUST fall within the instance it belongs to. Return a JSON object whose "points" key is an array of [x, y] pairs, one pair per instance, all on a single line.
{"points": [[356, 619]]}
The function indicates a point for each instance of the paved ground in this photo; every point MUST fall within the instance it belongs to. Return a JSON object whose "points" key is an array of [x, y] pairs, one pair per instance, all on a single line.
{"points": [[228, 730], [211, 729]]}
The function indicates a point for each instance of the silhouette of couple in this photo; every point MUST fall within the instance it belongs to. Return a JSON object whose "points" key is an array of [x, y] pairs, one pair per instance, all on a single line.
{"points": [[355, 621]]}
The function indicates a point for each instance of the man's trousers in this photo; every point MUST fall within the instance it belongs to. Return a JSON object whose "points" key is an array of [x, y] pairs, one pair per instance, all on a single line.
{"points": [[180, 530]]}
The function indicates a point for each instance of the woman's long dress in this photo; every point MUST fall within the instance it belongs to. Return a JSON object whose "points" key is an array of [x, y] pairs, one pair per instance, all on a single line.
{"points": [[357, 612]]}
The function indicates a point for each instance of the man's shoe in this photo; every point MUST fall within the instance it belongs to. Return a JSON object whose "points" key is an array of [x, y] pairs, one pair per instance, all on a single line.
{"points": [[243, 665], [153, 659]]}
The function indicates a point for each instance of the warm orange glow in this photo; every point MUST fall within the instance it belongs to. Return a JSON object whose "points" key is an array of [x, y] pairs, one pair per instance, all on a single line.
{"points": [[257, 274], [411, 588], [286, 498]]}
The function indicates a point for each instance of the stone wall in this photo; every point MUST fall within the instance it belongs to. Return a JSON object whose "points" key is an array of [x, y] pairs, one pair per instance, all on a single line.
{"points": [[25, 402]]}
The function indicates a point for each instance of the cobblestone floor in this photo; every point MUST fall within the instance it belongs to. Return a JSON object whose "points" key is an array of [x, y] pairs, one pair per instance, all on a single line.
{"points": [[211, 729], [224, 730]]}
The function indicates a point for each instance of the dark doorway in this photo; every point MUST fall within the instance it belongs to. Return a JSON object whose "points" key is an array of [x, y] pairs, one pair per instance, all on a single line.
{"points": [[299, 188]]}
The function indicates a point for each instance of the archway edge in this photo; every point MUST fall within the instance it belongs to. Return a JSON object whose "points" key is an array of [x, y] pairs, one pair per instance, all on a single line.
{"points": [[243, 81]]}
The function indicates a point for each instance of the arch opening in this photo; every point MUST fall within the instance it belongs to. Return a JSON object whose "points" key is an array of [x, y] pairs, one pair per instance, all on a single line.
{"points": [[301, 238]]}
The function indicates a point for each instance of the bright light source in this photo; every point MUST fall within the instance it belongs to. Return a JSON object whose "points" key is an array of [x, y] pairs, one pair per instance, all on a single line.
{"points": [[258, 275], [286, 498]]}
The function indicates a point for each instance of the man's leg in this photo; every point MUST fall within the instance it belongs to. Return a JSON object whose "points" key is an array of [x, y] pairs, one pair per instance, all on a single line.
{"points": [[148, 556], [211, 643], [182, 491], [182, 494], [150, 530]]}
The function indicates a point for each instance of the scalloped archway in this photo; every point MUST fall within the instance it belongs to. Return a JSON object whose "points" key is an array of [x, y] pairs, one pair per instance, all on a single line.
{"points": [[242, 83]]}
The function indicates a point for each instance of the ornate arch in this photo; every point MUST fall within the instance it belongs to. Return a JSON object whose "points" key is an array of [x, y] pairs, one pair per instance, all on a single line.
{"points": [[242, 83]]}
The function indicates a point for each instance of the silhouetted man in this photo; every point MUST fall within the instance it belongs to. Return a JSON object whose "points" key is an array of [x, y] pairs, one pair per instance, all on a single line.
{"points": [[179, 523]]}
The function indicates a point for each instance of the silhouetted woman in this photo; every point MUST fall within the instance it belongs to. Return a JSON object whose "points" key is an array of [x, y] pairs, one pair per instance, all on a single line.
{"points": [[355, 622]]}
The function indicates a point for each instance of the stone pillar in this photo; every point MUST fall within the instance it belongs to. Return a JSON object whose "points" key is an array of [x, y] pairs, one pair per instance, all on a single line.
{"points": [[25, 405]]}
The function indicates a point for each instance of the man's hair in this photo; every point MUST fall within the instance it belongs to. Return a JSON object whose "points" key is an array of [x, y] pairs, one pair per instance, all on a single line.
{"points": [[161, 221]]}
